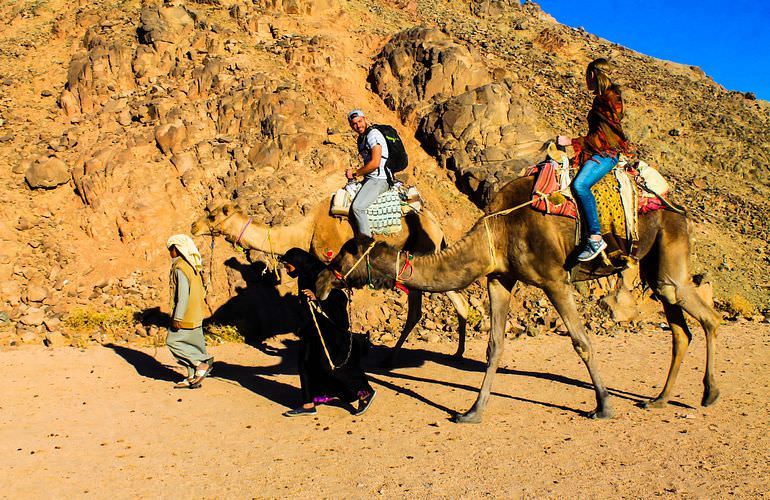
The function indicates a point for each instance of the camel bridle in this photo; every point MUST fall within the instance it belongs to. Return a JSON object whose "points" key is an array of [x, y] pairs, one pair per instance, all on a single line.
{"points": [[400, 279], [214, 232], [344, 277]]}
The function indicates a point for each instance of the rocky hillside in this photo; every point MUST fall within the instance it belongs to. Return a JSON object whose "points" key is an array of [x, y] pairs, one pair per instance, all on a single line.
{"points": [[121, 120]]}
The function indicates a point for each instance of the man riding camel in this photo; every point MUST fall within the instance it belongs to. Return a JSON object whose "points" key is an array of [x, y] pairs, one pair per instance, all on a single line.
{"points": [[373, 149]]}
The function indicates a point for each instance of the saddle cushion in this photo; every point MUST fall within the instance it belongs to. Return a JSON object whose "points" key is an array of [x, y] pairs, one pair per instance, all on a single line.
{"points": [[609, 205], [384, 214], [546, 183]]}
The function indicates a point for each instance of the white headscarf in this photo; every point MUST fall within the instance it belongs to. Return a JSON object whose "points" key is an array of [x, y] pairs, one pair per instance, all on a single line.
{"points": [[186, 247]]}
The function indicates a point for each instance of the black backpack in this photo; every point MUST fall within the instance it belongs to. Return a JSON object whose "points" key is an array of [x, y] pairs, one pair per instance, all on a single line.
{"points": [[397, 159]]}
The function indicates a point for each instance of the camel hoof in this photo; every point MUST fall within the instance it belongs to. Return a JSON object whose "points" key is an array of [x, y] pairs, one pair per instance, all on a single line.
{"points": [[603, 414], [467, 418], [655, 403], [710, 397]]}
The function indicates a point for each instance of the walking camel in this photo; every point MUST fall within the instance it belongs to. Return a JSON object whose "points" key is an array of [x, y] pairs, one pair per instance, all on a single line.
{"points": [[527, 246], [324, 235]]}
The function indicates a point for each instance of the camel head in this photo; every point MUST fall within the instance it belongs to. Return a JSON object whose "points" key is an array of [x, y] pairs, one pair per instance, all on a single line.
{"points": [[360, 262], [213, 218]]}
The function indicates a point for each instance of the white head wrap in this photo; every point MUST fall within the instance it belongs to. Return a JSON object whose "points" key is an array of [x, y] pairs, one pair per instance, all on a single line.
{"points": [[186, 247]]}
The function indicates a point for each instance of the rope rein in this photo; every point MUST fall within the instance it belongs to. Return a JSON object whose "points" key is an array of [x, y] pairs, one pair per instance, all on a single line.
{"points": [[507, 211], [407, 265], [273, 260], [238, 240], [313, 307], [364, 256]]}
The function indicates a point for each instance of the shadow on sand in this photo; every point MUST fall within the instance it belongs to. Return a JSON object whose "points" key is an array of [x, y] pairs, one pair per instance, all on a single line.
{"points": [[260, 312], [244, 376]]}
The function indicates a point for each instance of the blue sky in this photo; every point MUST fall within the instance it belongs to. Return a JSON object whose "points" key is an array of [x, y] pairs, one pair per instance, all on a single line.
{"points": [[730, 41]]}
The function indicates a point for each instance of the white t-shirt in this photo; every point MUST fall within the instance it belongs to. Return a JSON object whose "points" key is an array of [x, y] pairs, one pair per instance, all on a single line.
{"points": [[373, 138]]}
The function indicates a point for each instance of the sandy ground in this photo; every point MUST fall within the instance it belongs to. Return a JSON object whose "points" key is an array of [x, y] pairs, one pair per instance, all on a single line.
{"points": [[105, 422]]}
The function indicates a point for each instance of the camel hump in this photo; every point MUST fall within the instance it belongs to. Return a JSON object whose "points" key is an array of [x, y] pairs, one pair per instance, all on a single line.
{"points": [[512, 193]]}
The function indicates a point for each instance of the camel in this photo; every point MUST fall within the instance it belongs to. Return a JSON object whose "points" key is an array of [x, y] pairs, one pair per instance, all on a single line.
{"points": [[527, 246], [324, 235]]}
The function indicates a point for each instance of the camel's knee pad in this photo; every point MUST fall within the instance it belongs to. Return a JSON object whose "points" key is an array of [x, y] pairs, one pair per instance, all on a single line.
{"points": [[667, 293]]}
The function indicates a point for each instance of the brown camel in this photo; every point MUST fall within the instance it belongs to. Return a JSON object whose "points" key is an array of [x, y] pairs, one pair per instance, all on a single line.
{"points": [[527, 246], [324, 235]]}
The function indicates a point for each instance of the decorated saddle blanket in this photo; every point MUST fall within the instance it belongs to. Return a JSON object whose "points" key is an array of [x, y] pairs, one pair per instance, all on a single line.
{"points": [[386, 212], [630, 189]]}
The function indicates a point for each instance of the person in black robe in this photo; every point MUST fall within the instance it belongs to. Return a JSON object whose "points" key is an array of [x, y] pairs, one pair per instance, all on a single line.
{"points": [[330, 357]]}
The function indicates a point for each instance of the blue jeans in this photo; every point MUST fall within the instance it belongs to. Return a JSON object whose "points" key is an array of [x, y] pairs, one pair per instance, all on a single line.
{"points": [[591, 173], [370, 190]]}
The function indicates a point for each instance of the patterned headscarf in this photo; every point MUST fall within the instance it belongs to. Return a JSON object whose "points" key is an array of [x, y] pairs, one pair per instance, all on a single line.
{"points": [[187, 249]]}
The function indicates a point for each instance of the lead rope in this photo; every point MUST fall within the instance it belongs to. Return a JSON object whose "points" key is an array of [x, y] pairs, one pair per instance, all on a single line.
{"points": [[313, 306], [272, 257], [211, 263]]}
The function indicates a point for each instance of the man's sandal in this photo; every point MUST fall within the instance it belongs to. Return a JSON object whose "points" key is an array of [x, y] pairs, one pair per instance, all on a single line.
{"points": [[184, 384], [200, 374]]}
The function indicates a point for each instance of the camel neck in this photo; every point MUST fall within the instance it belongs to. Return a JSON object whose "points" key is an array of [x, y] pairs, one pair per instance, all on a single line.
{"points": [[257, 236], [455, 267]]}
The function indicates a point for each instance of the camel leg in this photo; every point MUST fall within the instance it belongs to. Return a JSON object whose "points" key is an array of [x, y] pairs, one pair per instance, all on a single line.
{"points": [[561, 297], [681, 338], [499, 303], [687, 298], [461, 306], [674, 286], [413, 315]]}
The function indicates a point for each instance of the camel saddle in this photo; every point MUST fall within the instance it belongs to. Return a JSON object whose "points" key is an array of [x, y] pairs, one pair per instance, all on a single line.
{"points": [[386, 212], [620, 197]]}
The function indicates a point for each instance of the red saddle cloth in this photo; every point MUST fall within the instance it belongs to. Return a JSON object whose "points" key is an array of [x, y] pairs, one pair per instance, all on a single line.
{"points": [[546, 183]]}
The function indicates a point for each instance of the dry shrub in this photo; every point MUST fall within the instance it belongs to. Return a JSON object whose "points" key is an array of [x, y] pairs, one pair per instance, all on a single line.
{"points": [[109, 321], [219, 334], [474, 317], [737, 306]]}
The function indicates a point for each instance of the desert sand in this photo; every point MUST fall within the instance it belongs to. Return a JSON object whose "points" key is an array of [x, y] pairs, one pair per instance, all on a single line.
{"points": [[105, 422]]}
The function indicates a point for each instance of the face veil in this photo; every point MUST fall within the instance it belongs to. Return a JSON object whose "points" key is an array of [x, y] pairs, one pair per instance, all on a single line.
{"points": [[307, 267]]}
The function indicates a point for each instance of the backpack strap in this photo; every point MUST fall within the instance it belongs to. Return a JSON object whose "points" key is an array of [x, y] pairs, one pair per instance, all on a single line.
{"points": [[363, 137]]}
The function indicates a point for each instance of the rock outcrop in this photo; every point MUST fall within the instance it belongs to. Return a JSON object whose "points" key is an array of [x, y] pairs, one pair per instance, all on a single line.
{"points": [[420, 67], [485, 136]]}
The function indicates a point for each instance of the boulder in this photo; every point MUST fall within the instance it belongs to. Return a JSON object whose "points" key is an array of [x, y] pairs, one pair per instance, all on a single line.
{"points": [[28, 337], [161, 25], [47, 173], [69, 103], [493, 8], [36, 292], [184, 161], [55, 339], [52, 324], [485, 136], [33, 317], [171, 137], [421, 66]]}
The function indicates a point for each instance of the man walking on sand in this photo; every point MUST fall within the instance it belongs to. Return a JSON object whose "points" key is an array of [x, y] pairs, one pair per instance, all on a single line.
{"points": [[185, 337]]}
